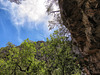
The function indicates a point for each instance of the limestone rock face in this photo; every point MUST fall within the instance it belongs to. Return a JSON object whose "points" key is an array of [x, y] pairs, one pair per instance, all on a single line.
{"points": [[82, 18]]}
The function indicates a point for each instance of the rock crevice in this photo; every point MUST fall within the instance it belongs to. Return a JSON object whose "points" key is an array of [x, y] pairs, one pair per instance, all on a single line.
{"points": [[82, 18]]}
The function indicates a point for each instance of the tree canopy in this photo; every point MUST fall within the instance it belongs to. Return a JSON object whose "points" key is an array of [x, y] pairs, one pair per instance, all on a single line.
{"points": [[52, 57]]}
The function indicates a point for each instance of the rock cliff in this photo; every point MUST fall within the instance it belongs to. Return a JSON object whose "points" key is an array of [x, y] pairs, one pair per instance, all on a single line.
{"points": [[82, 18]]}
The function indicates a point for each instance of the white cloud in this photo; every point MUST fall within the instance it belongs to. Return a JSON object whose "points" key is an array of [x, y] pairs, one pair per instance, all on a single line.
{"points": [[27, 11], [32, 12]]}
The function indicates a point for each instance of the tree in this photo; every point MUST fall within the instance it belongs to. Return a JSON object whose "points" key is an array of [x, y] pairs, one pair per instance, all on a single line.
{"points": [[39, 58], [57, 54], [10, 45], [21, 60]]}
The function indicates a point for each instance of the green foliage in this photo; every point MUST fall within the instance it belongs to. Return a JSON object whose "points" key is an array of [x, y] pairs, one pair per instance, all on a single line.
{"points": [[10, 45], [21, 60], [57, 53], [52, 57]]}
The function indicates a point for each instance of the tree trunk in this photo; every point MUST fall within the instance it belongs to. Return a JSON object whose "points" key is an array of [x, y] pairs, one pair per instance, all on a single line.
{"points": [[62, 69], [82, 18], [49, 72]]}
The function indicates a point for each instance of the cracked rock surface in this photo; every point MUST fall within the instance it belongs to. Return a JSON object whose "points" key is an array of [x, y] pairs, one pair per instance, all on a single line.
{"points": [[82, 18]]}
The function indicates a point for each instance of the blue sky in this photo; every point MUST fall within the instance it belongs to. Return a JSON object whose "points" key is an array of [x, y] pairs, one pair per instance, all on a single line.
{"points": [[19, 22]]}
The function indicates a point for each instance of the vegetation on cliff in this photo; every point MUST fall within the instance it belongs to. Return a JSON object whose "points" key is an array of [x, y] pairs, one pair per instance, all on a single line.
{"points": [[82, 19], [52, 57]]}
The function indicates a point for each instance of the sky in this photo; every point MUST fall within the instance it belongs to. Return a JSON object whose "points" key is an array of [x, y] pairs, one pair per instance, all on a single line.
{"points": [[26, 20]]}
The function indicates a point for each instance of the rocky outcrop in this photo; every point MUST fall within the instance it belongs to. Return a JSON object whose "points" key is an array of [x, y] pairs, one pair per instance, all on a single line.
{"points": [[82, 18]]}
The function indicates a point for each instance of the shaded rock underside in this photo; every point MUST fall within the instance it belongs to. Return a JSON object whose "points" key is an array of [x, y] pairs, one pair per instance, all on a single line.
{"points": [[82, 18]]}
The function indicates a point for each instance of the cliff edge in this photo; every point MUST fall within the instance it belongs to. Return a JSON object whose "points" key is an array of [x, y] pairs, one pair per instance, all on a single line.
{"points": [[82, 18]]}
